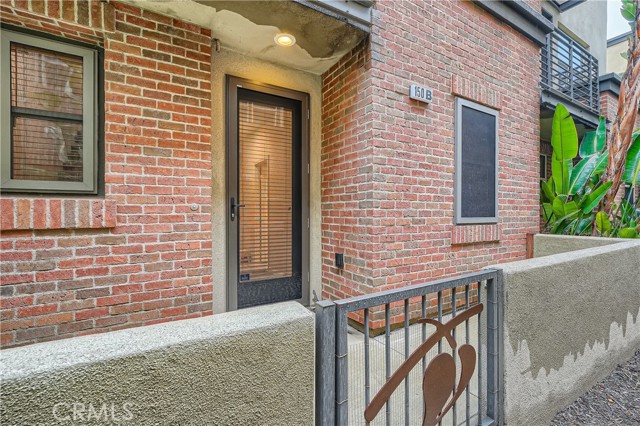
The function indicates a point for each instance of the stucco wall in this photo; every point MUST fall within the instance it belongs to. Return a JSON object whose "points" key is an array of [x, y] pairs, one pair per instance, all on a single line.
{"points": [[545, 245], [615, 62], [254, 366], [568, 321], [226, 63], [586, 22]]}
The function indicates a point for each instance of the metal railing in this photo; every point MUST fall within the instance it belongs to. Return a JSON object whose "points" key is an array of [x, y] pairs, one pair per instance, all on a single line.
{"points": [[570, 71], [341, 402]]}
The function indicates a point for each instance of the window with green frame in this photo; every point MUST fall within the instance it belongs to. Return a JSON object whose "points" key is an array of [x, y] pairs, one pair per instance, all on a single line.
{"points": [[49, 115]]}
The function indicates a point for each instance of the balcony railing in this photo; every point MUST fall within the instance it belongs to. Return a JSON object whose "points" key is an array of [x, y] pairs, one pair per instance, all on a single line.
{"points": [[570, 71]]}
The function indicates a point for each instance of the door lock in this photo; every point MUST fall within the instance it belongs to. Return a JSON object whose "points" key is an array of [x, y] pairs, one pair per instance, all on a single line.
{"points": [[234, 206]]}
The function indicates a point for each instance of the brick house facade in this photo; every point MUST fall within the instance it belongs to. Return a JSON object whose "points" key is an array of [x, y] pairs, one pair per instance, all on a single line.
{"points": [[153, 245], [390, 208], [140, 254]]}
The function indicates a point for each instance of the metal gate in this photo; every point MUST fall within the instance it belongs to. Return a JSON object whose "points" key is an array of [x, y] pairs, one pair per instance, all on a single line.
{"points": [[418, 336]]}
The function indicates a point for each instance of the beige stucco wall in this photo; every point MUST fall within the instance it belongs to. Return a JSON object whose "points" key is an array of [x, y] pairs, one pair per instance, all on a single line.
{"points": [[230, 63], [588, 22], [249, 367], [615, 62], [546, 245], [569, 319]]}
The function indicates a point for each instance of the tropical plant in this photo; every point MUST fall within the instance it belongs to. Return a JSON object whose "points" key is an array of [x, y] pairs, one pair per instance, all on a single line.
{"points": [[570, 198], [621, 135]]}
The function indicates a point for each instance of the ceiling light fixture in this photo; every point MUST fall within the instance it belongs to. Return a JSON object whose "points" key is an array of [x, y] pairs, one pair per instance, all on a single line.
{"points": [[284, 39]]}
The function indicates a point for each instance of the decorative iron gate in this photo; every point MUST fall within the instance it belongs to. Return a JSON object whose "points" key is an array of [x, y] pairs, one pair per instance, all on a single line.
{"points": [[351, 389]]}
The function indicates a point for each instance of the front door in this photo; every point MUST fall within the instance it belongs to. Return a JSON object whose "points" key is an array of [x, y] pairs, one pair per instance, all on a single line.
{"points": [[267, 184]]}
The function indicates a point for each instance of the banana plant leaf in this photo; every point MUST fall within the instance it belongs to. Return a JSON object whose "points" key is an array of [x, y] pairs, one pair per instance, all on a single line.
{"points": [[562, 208], [601, 164], [628, 233], [631, 174], [561, 173], [581, 173], [547, 211], [603, 224], [564, 137], [592, 200], [561, 226], [547, 191], [583, 225], [627, 211], [594, 142]]}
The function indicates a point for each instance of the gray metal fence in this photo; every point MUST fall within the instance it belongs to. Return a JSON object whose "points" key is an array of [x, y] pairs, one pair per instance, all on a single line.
{"points": [[395, 314], [568, 69]]}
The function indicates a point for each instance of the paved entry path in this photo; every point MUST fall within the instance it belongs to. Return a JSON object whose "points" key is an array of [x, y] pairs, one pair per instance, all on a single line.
{"points": [[613, 401]]}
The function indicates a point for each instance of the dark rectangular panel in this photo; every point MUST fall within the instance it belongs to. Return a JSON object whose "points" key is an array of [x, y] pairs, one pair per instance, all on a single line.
{"points": [[478, 174]]}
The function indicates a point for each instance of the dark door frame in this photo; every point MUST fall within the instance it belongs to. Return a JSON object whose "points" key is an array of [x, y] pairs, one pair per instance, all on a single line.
{"points": [[231, 131]]}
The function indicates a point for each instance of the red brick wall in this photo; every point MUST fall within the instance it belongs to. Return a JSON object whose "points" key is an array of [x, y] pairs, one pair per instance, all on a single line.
{"points": [[387, 161], [139, 255], [347, 146], [609, 109]]}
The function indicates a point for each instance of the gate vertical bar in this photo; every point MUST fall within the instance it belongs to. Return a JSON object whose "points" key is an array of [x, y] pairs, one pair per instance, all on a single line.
{"points": [[493, 350], [342, 367], [367, 364], [466, 333], [480, 357], [454, 412], [406, 355], [423, 328], [387, 357], [325, 362]]}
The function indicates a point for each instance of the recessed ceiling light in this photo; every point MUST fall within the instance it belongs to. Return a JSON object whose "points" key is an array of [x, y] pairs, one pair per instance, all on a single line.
{"points": [[285, 39]]}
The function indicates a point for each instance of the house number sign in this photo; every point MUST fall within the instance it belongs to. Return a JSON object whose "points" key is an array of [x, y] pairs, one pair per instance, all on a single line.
{"points": [[420, 93]]}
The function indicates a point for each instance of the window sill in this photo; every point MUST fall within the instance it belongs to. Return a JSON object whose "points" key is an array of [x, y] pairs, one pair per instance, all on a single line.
{"points": [[471, 234], [56, 213]]}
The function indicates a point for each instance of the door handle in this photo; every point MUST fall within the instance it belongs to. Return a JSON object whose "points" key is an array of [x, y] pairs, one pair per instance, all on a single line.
{"points": [[234, 206]]}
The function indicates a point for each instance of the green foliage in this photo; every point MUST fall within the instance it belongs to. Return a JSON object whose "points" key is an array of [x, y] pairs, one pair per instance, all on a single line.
{"points": [[631, 174], [628, 10], [594, 142], [571, 196], [603, 224], [564, 140]]}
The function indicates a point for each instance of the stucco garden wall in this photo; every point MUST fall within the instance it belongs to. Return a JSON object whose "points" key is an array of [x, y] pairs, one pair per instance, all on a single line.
{"points": [[545, 245], [569, 319], [254, 366]]}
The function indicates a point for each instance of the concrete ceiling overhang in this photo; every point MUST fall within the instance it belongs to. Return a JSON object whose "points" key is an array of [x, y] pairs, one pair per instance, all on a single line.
{"points": [[249, 28], [546, 121]]}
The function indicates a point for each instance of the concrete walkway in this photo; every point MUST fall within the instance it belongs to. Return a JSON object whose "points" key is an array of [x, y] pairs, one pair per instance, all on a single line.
{"points": [[397, 401]]}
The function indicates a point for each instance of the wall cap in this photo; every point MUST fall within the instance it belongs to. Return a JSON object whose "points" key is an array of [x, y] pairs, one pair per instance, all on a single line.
{"points": [[610, 83], [521, 17], [45, 357]]}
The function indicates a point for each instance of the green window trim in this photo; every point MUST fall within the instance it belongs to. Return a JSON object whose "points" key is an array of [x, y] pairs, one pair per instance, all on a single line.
{"points": [[90, 117]]}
